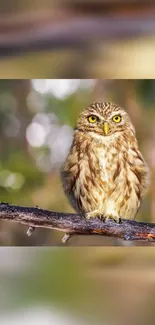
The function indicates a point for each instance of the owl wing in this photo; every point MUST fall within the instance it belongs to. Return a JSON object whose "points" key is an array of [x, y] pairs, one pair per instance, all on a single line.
{"points": [[142, 172], [68, 181]]}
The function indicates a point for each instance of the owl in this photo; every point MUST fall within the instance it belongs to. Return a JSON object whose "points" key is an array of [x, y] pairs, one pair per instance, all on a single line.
{"points": [[105, 174]]}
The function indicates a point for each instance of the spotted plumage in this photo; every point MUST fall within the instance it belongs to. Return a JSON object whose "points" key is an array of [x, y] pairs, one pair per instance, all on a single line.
{"points": [[105, 174]]}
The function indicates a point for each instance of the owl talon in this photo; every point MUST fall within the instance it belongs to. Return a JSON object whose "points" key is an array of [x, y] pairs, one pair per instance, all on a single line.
{"points": [[114, 218], [95, 214]]}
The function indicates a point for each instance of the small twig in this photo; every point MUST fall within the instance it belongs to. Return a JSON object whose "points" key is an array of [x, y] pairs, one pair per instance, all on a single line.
{"points": [[65, 238], [30, 231], [70, 223]]}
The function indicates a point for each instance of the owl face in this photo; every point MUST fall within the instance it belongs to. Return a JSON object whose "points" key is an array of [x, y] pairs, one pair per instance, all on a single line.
{"points": [[104, 119]]}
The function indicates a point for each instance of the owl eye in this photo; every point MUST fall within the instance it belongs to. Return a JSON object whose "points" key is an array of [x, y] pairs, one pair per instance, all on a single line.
{"points": [[92, 119], [116, 118]]}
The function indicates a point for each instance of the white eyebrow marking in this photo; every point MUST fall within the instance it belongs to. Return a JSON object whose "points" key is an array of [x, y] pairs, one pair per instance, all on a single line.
{"points": [[122, 113]]}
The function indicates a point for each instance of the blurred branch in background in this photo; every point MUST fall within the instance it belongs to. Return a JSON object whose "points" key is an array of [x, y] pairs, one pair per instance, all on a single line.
{"points": [[75, 33], [73, 224], [77, 38]]}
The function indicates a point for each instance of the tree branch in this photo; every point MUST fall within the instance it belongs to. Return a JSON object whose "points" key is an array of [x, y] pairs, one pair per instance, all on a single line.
{"points": [[74, 33], [74, 224]]}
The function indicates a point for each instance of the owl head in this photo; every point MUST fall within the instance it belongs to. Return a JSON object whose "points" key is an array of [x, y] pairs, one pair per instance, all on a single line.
{"points": [[104, 119]]}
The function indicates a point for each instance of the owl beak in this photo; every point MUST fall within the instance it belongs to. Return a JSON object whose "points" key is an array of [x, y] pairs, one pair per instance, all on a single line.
{"points": [[106, 128]]}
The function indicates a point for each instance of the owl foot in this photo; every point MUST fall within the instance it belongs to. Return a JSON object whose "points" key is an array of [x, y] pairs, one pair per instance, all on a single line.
{"points": [[95, 214], [113, 217], [99, 214]]}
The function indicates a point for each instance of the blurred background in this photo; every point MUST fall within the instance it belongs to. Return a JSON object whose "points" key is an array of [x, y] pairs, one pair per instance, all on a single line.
{"points": [[111, 286], [37, 118], [77, 39], [71, 39]]}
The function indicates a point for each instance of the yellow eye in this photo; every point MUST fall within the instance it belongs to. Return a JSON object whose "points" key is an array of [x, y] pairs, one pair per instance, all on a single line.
{"points": [[92, 119], [116, 118]]}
